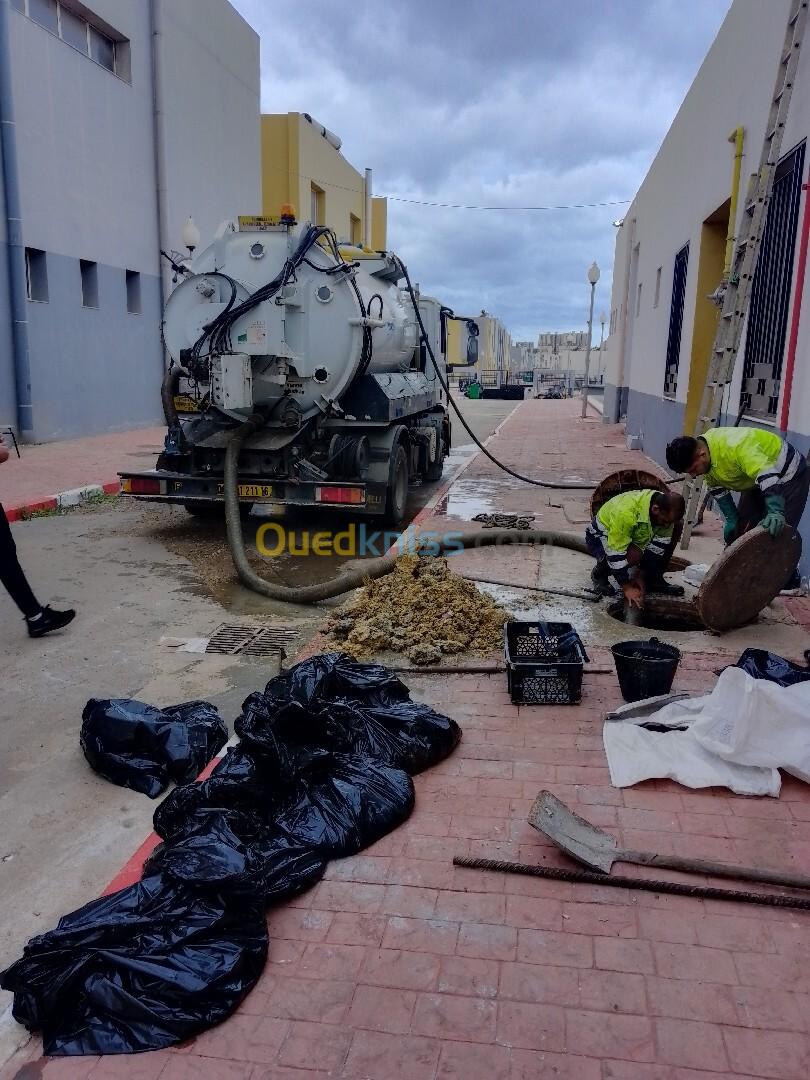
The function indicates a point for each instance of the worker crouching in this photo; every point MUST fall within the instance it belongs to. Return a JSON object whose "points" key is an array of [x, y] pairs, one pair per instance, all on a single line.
{"points": [[632, 539]]}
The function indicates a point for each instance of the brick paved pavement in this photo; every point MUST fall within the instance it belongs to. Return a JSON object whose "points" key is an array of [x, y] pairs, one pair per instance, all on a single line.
{"points": [[399, 966]]}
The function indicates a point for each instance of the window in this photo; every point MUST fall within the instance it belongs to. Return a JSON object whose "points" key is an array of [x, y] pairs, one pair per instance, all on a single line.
{"points": [[133, 292], [657, 287], [318, 206], [36, 274], [355, 234], [638, 300], [45, 13], [89, 273], [676, 322], [74, 30], [771, 292], [102, 49], [107, 49]]}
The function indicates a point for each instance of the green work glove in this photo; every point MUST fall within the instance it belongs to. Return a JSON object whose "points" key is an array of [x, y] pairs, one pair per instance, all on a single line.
{"points": [[774, 520], [731, 519]]}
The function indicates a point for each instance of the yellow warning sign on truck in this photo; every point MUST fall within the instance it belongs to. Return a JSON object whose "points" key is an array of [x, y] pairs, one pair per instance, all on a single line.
{"points": [[249, 223]]}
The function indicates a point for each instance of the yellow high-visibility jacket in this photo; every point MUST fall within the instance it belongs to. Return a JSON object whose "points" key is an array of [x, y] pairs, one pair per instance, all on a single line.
{"points": [[625, 520], [743, 458]]}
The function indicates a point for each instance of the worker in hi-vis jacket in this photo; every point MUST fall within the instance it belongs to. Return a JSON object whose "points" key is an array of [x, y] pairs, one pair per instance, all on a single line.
{"points": [[632, 538], [771, 475]]}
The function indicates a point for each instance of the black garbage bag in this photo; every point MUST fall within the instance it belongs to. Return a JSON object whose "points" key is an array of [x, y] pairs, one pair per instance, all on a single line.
{"points": [[144, 748], [339, 804], [142, 969], [760, 664], [232, 851], [334, 675], [335, 703]]}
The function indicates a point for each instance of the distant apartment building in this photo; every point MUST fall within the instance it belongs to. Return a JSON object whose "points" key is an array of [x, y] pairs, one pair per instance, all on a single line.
{"points": [[562, 351], [672, 247], [122, 118], [302, 166]]}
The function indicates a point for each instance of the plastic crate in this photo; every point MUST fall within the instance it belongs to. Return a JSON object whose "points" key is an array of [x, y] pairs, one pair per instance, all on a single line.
{"points": [[538, 671]]}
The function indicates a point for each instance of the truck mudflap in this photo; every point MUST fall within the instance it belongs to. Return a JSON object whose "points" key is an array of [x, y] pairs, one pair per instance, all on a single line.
{"points": [[166, 487]]}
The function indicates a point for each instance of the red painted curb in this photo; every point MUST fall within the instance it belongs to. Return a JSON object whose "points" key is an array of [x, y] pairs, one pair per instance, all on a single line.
{"points": [[18, 511]]}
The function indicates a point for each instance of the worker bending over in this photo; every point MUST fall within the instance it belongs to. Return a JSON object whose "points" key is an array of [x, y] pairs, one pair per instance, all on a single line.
{"points": [[632, 539], [771, 475]]}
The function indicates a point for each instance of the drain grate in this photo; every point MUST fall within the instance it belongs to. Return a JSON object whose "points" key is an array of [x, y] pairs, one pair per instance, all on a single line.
{"points": [[242, 639]]}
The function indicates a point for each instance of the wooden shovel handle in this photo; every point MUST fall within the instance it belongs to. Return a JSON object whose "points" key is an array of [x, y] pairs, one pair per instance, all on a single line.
{"points": [[715, 869]]}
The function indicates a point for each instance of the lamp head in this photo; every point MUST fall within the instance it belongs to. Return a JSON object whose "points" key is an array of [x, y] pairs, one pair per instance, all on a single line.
{"points": [[191, 235], [593, 273]]}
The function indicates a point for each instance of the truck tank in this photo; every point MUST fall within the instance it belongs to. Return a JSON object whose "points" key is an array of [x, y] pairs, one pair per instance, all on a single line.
{"points": [[331, 318], [315, 342]]}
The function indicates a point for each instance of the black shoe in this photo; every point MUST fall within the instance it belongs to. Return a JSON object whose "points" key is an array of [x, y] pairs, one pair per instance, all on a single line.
{"points": [[601, 584], [663, 588], [49, 620], [793, 586]]}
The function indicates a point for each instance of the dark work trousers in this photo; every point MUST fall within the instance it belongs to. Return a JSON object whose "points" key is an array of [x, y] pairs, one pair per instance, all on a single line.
{"points": [[652, 565], [11, 573], [752, 509]]}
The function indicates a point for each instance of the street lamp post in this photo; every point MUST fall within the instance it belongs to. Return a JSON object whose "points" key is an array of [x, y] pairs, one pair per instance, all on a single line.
{"points": [[593, 277], [602, 320]]}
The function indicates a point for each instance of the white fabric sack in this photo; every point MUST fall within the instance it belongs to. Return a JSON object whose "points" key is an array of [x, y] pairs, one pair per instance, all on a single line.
{"points": [[738, 736]]}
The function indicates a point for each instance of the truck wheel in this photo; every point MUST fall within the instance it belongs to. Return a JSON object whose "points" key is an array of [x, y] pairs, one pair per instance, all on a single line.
{"points": [[396, 495], [434, 471]]}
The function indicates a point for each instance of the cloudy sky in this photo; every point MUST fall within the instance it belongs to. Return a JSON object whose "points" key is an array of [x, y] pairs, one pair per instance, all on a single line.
{"points": [[504, 103]]}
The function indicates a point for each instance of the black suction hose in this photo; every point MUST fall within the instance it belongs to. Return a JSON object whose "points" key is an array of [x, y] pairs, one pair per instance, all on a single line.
{"points": [[371, 568], [168, 388], [585, 485]]}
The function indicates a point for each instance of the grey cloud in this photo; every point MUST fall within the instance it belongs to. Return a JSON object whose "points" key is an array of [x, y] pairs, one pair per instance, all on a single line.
{"points": [[521, 102]]}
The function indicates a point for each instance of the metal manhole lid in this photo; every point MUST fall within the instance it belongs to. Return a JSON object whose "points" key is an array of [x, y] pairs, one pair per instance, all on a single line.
{"points": [[624, 480], [746, 577], [245, 639]]}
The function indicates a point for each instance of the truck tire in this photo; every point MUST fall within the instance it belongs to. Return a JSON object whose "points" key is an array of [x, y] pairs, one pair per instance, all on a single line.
{"points": [[396, 494], [434, 471]]}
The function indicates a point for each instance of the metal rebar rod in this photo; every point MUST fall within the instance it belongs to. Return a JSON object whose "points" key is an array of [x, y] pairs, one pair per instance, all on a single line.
{"points": [[677, 888], [584, 595]]}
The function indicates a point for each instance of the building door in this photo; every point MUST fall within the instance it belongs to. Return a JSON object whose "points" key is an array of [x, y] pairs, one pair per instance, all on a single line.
{"points": [[770, 292], [676, 322]]}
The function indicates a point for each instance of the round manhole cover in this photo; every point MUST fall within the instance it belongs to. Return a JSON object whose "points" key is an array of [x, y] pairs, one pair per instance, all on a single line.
{"points": [[746, 577], [621, 481]]}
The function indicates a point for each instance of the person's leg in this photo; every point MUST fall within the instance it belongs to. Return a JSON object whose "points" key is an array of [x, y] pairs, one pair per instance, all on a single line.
{"points": [[750, 511], [655, 563], [599, 574], [11, 573], [795, 496]]}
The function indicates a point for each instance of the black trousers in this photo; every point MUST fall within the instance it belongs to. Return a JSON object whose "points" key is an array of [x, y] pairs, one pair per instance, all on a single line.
{"points": [[11, 573], [751, 505]]}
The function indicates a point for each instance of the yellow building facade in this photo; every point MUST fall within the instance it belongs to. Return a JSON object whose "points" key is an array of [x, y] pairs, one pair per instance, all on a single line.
{"points": [[301, 166]]}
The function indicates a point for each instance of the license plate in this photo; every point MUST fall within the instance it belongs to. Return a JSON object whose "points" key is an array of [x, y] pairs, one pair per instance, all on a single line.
{"points": [[255, 491]]}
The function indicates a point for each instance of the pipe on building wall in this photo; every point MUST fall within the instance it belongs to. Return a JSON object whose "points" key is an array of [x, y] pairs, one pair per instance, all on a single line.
{"points": [[16, 249], [623, 321], [738, 138], [159, 142], [798, 292], [367, 215]]}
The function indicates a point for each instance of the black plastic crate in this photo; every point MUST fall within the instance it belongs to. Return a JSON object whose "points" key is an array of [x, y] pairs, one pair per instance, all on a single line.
{"points": [[544, 663]]}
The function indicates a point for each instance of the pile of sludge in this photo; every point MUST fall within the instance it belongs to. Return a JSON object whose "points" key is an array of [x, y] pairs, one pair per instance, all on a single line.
{"points": [[323, 769], [421, 610]]}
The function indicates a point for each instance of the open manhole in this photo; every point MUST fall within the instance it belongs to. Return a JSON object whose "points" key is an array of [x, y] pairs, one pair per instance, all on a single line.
{"points": [[664, 614], [244, 639]]}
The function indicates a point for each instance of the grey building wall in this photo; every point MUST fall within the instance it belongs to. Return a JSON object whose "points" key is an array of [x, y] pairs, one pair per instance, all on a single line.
{"points": [[88, 177], [8, 404]]}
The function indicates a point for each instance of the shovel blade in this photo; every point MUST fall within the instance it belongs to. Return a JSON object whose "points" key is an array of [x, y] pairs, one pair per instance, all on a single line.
{"points": [[573, 834]]}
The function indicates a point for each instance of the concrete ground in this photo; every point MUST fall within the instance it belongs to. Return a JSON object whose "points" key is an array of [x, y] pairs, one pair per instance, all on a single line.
{"points": [[400, 965], [135, 573]]}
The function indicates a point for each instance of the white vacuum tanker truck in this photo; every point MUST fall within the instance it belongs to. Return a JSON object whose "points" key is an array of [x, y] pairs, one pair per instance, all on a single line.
{"points": [[319, 347]]}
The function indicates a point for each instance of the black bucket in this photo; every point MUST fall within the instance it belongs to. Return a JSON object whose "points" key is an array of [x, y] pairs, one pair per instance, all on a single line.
{"points": [[645, 668]]}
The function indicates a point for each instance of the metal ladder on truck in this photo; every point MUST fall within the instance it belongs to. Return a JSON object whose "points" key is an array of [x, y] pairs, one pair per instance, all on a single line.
{"points": [[738, 287]]}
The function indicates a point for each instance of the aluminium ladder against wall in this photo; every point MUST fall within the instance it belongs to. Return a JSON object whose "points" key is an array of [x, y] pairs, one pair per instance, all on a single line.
{"points": [[735, 298]]}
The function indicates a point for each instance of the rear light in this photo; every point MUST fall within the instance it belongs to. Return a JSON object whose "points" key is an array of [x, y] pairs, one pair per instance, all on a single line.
{"points": [[141, 486], [353, 495]]}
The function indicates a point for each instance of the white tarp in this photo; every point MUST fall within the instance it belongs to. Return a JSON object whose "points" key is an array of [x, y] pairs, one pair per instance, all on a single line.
{"points": [[738, 736]]}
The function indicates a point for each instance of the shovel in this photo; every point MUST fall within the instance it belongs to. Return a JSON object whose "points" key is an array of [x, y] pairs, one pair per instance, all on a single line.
{"points": [[595, 848]]}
